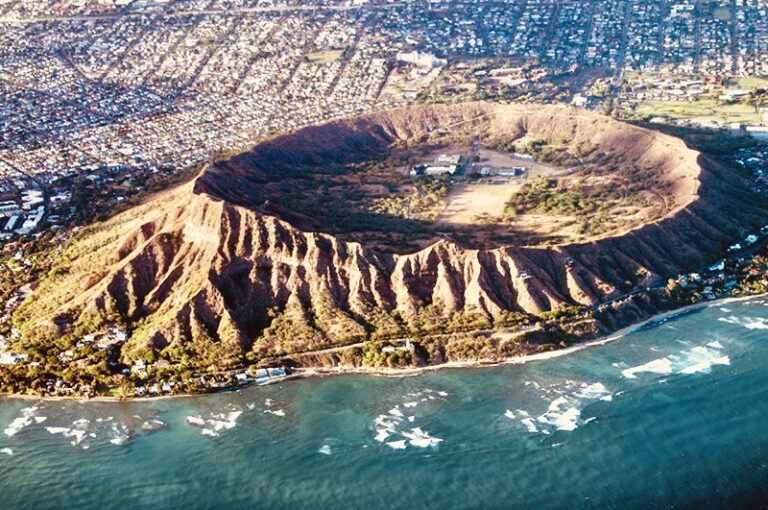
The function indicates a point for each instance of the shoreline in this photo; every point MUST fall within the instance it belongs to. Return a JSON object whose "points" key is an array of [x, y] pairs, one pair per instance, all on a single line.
{"points": [[306, 373], [309, 373]]}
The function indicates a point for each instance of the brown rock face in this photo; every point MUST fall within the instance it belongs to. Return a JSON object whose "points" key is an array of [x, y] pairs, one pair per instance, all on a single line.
{"points": [[201, 264]]}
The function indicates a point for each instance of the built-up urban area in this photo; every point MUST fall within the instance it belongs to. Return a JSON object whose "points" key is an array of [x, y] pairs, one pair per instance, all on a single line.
{"points": [[106, 93]]}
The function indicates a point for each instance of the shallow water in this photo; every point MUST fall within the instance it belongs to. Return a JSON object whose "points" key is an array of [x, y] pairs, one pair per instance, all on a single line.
{"points": [[672, 416]]}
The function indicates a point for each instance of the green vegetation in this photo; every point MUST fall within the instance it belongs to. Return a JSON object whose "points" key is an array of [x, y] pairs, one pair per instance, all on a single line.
{"points": [[752, 82], [547, 196], [423, 204], [553, 152], [703, 109]]}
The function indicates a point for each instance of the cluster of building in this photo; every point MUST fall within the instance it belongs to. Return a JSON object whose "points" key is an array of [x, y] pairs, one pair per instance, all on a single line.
{"points": [[133, 87], [443, 164], [721, 278], [22, 210], [210, 382], [127, 89], [680, 35]]}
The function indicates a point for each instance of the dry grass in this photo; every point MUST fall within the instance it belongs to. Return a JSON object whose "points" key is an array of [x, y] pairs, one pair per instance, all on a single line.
{"points": [[470, 202], [325, 57]]}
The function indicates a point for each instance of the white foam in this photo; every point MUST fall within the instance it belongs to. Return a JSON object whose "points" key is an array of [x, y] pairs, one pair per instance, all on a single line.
{"points": [[382, 435], [528, 422], [411, 419], [6, 451], [756, 323], [397, 445], [442, 393], [706, 365], [152, 425], [564, 412], [747, 322], [387, 421], [224, 421], [697, 367], [396, 412], [325, 450], [25, 419], [695, 360], [195, 420], [561, 419], [418, 437], [57, 430], [120, 436], [410, 404], [278, 412], [595, 391], [216, 424], [82, 423], [17, 425], [657, 366], [568, 419], [76, 433]]}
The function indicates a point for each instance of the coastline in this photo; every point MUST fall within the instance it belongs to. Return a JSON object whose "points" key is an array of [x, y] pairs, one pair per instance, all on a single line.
{"points": [[303, 373], [308, 373]]}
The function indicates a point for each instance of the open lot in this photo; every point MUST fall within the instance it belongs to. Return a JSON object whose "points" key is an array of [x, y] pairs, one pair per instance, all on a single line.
{"points": [[483, 201], [325, 57]]}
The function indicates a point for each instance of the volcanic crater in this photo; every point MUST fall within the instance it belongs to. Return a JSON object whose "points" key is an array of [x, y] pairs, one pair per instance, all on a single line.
{"points": [[246, 258]]}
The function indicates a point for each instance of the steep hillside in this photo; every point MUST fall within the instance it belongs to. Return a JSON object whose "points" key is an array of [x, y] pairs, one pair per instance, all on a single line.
{"points": [[209, 273]]}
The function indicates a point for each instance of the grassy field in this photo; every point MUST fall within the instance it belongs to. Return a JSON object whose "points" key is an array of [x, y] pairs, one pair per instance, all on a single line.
{"points": [[705, 109], [751, 82], [325, 57]]}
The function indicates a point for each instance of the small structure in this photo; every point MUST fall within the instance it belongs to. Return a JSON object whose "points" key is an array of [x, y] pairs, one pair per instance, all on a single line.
{"points": [[446, 159], [9, 208], [437, 170], [515, 171], [408, 347], [417, 170]]}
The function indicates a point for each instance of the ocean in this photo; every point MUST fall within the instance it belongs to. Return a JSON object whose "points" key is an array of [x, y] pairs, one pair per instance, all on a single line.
{"points": [[673, 415]]}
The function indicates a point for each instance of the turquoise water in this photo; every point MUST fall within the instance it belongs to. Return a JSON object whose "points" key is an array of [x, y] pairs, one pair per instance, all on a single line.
{"points": [[672, 416]]}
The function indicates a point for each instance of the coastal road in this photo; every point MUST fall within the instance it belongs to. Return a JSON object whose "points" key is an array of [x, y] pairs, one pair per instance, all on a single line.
{"points": [[400, 340]]}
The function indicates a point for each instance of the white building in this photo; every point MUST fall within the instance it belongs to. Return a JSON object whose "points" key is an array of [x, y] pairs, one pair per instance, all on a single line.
{"points": [[421, 59], [440, 170]]}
